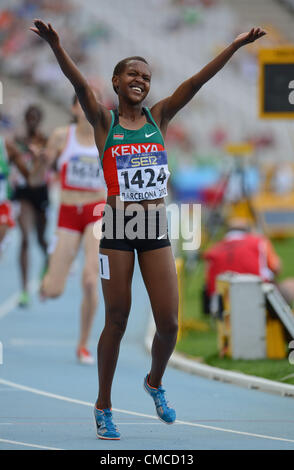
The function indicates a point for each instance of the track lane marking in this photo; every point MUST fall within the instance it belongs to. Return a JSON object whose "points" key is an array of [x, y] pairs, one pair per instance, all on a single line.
{"points": [[26, 444], [12, 302], [134, 413]]}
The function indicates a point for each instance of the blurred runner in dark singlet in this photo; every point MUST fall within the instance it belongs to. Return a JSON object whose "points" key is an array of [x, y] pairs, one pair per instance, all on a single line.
{"points": [[33, 199], [8, 155]]}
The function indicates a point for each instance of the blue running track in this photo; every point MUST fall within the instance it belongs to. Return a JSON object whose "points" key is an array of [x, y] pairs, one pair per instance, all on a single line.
{"points": [[46, 396]]}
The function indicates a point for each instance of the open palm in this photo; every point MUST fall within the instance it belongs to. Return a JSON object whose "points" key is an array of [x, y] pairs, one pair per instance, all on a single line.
{"points": [[251, 36], [46, 32]]}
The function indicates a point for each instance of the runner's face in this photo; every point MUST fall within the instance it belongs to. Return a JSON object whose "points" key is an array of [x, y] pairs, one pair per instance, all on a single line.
{"points": [[32, 118], [134, 82]]}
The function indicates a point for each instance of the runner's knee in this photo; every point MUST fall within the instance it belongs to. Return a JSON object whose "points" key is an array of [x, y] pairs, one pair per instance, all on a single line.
{"points": [[42, 242], [51, 291], [24, 242], [167, 328], [90, 283], [117, 320]]}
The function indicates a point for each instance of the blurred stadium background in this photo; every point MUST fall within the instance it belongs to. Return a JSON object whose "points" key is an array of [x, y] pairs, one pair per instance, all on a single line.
{"points": [[177, 37]]}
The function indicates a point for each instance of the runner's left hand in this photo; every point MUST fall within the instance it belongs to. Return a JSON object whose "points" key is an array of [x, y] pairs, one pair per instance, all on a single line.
{"points": [[251, 36]]}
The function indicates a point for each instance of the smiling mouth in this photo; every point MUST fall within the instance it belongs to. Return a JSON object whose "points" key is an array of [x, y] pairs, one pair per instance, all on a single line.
{"points": [[136, 89]]}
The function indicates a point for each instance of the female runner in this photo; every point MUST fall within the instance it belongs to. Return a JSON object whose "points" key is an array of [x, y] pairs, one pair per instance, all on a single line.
{"points": [[33, 200], [8, 155], [130, 142], [73, 151]]}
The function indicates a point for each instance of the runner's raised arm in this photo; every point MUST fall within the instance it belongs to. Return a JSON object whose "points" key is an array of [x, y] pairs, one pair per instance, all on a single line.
{"points": [[93, 110], [165, 110]]}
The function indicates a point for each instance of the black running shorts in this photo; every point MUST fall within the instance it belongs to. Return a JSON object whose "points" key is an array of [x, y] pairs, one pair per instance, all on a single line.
{"points": [[37, 196], [143, 230]]}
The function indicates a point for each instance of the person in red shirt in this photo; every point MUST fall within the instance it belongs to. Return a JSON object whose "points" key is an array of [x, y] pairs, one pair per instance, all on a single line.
{"points": [[241, 251]]}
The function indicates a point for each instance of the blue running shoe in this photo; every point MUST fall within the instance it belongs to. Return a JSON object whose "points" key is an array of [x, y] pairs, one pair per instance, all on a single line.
{"points": [[165, 413], [105, 428]]}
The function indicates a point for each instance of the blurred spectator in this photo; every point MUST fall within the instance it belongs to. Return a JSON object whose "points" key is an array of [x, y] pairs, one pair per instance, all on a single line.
{"points": [[242, 251], [24, 56], [289, 4], [242, 183], [177, 135], [218, 136], [262, 140]]}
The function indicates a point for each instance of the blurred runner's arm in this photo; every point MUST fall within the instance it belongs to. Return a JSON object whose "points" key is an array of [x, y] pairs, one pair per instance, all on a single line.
{"points": [[93, 110], [45, 159], [165, 110], [15, 157], [55, 145], [273, 260]]}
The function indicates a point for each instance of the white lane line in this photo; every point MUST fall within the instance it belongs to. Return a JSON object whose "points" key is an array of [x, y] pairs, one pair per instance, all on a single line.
{"points": [[12, 302], [9, 305], [25, 444], [134, 413], [46, 394]]}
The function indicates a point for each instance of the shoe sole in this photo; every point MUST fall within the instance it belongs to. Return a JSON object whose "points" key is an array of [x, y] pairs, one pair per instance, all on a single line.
{"points": [[159, 417], [104, 438], [108, 438], [85, 361]]}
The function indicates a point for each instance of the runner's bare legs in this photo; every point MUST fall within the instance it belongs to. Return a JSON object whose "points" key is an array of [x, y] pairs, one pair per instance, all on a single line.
{"points": [[117, 298], [160, 277], [89, 283]]}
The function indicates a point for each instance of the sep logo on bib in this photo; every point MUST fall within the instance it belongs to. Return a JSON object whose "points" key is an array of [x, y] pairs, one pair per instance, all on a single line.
{"points": [[142, 176]]}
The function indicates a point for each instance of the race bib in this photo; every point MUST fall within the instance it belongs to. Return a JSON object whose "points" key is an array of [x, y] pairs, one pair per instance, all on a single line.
{"points": [[104, 266], [3, 189], [83, 172], [142, 176]]}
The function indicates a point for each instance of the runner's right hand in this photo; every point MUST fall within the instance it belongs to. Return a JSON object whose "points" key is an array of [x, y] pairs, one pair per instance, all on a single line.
{"points": [[46, 32]]}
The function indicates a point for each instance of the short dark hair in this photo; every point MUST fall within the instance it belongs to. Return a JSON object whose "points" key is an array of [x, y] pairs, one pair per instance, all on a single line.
{"points": [[35, 109], [120, 66]]}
